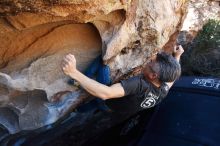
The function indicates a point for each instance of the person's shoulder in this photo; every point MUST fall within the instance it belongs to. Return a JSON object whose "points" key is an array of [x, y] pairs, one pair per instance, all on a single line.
{"points": [[132, 81], [142, 81], [141, 77], [136, 77]]}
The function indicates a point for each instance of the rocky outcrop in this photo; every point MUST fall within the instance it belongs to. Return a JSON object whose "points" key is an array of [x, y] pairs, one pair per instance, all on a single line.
{"points": [[202, 50], [34, 58], [35, 36], [199, 12]]}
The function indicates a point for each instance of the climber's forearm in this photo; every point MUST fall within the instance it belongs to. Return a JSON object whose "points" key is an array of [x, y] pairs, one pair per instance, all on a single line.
{"points": [[177, 58], [92, 86], [177, 54]]}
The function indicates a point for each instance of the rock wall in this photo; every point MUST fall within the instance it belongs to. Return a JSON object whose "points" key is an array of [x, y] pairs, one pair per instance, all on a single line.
{"points": [[35, 36], [199, 12], [32, 57]]}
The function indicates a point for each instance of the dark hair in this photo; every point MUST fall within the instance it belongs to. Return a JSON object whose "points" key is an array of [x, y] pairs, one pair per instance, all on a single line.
{"points": [[170, 69]]}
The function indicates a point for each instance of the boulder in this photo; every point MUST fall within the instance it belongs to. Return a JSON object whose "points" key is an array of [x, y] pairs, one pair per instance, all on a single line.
{"points": [[36, 35]]}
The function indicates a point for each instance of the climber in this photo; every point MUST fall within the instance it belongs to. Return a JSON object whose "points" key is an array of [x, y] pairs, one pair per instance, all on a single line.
{"points": [[134, 94]]}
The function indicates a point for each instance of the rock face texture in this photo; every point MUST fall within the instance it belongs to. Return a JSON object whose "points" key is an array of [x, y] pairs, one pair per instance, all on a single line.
{"points": [[199, 12], [32, 57], [36, 35]]}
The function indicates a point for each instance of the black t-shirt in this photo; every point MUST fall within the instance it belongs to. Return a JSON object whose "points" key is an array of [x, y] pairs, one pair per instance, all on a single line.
{"points": [[139, 94]]}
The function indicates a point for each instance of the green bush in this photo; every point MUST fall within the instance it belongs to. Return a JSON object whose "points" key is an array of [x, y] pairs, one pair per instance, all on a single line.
{"points": [[203, 54], [208, 38]]}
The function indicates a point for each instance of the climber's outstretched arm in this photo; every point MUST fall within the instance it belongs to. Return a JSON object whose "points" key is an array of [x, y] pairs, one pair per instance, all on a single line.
{"points": [[178, 51], [93, 87]]}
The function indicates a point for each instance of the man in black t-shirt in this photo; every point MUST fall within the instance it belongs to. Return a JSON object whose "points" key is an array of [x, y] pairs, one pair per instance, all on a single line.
{"points": [[139, 94], [136, 93]]}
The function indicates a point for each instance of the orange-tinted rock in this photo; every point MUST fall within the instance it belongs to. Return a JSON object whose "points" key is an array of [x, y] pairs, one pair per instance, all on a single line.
{"points": [[34, 55]]}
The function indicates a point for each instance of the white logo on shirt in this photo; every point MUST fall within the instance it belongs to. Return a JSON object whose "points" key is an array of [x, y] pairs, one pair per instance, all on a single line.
{"points": [[149, 101]]}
